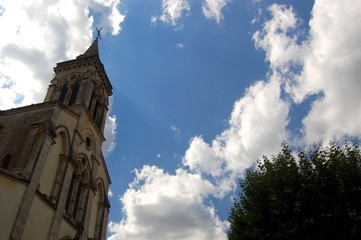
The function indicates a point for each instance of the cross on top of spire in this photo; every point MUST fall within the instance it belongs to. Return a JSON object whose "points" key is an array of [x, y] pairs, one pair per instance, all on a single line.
{"points": [[98, 34]]}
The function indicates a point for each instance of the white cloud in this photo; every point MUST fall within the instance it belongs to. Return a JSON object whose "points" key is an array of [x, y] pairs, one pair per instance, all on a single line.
{"points": [[110, 131], [257, 127], [329, 60], [175, 130], [201, 158], [179, 45], [173, 10], [213, 9], [276, 39], [111, 17], [110, 193], [153, 19], [332, 66], [163, 206]]}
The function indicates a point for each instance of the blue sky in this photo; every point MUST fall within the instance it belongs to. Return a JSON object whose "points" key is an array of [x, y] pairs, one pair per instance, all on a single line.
{"points": [[201, 90]]}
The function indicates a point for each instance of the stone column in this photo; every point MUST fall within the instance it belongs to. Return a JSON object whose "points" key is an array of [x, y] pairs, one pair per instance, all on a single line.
{"points": [[60, 172]]}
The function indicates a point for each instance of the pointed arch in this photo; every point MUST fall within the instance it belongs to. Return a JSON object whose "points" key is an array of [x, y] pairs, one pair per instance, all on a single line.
{"points": [[73, 76], [87, 74], [63, 132], [64, 140]]}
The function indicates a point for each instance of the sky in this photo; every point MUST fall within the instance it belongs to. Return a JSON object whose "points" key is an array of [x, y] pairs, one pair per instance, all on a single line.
{"points": [[201, 90]]}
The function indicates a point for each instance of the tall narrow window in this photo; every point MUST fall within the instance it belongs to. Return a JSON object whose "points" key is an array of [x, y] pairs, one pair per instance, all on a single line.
{"points": [[70, 193], [78, 192], [96, 109], [77, 199], [74, 93], [100, 119], [5, 162], [91, 102], [63, 93]]}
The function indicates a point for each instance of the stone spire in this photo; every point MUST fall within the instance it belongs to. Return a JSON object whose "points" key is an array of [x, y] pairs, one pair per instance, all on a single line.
{"points": [[91, 51]]}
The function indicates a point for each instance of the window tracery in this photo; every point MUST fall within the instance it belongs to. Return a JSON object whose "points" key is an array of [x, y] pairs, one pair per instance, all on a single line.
{"points": [[69, 89], [78, 191]]}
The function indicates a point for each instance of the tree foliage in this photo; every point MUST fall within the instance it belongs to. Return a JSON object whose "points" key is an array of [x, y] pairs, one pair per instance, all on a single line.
{"points": [[315, 195]]}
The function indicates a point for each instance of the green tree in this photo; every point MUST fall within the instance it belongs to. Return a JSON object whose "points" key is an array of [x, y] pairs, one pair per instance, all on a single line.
{"points": [[315, 195]]}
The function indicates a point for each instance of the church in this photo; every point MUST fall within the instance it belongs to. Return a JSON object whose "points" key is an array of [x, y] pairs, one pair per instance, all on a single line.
{"points": [[53, 177]]}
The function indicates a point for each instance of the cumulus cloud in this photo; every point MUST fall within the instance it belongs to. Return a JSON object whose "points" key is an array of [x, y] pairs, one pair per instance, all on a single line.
{"points": [[279, 37], [201, 158], [213, 9], [163, 206], [172, 10], [329, 59], [332, 67], [257, 127]]}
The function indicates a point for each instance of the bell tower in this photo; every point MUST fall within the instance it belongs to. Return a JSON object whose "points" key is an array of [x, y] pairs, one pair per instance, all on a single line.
{"points": [[53, 176], [82, 81]]}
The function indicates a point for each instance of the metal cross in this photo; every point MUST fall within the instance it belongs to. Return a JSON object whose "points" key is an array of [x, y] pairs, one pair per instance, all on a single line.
{"points": [[98, 34]]}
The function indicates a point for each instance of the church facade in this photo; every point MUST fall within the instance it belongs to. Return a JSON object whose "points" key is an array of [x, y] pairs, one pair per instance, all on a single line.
{"points": [[53, 177]]}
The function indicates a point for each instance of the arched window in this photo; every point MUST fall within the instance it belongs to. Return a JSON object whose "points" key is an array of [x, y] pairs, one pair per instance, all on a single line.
{"points": [[74, 93], [78, 192], [5, 162], [63, 93]]}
